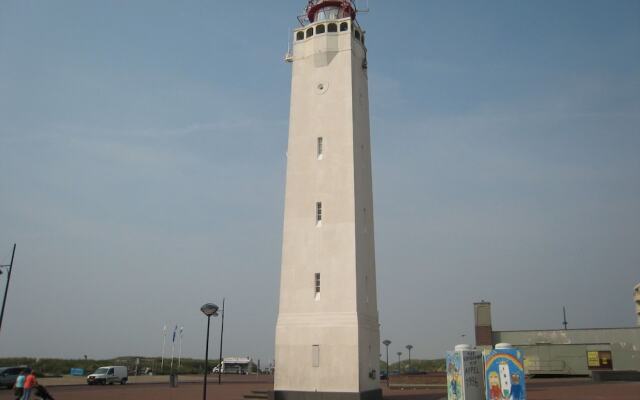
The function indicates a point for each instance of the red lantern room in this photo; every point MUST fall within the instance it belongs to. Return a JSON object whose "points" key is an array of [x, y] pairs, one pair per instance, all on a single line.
{"points": [[322, 10]]}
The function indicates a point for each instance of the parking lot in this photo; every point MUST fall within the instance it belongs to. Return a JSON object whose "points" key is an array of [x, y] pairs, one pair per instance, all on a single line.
{"points": [[234, 387]]}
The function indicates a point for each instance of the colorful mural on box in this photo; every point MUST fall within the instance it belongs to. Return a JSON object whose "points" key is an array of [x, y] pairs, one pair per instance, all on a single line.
{"points": [[454, 375], [504, 375]]}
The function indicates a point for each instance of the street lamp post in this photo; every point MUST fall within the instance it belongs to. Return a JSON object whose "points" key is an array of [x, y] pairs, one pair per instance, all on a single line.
{"points": [[387, 342], [209, 310], [399, 365], [6, 289], [221, 334], [409, 347]]}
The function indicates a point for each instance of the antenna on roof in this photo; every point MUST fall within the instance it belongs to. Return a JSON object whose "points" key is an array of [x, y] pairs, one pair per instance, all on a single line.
{"points": [[366, 7], [288, 57], [564, 322]]}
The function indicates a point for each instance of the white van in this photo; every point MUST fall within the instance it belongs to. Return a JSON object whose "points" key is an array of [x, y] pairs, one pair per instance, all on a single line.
{"points": [[234, 365], [104, 375]]}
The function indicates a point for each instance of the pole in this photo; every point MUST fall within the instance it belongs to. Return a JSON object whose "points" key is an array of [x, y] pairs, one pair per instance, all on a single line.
{"points": [[173, 348], [221, 333], [164, 339], [564, 322], [387, 365], [206, 361], [6, 289], [180, 349]]}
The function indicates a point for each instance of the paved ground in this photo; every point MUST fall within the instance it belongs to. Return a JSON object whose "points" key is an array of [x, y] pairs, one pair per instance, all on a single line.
{"points": [[233, 388]]}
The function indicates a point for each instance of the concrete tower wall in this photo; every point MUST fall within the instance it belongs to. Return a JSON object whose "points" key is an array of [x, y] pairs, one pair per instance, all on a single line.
{"points": [[482, 320], [328, 341]]}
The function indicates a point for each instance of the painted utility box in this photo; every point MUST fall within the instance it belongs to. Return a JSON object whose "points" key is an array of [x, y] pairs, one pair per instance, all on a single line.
{"points": [[504, 373], [465, 374]]}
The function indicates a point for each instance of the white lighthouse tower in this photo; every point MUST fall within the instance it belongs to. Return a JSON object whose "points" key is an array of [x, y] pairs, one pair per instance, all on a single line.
{"points": [[327, 334]]}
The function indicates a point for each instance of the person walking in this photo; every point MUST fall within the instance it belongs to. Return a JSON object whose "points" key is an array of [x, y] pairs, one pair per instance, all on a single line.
{"points": [[18, 388], [29, 383]]}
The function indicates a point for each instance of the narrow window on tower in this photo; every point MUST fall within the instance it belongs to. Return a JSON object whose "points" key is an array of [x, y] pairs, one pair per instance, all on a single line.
{"points": [[319, 213], [332, 28], [344, 27], [300, 35], [317, 285], [309, 32], [366, 284], [315, 355], [319, 148]]}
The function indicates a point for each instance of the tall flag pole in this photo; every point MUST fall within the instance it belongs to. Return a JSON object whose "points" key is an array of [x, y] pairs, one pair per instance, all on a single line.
{"points": [[221, 335], [164, 339], [173, 346], [180, 348]]}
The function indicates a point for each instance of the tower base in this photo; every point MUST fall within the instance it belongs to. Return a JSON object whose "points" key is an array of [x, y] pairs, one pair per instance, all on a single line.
{"points": [[375, 394]]}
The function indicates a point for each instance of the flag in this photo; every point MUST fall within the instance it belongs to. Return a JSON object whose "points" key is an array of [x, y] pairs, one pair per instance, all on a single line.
{"points": [[174, 333], [181, 328]]}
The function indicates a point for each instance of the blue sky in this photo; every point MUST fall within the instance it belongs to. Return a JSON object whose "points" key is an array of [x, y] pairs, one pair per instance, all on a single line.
{"points": [[142, 150]]}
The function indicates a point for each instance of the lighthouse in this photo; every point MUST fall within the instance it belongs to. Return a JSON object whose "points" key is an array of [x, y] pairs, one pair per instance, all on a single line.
{"points": [[327, 332]]}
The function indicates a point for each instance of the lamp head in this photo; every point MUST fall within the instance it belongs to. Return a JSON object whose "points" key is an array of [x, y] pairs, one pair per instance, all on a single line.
{"points": [[386, 342], [209, 309]]}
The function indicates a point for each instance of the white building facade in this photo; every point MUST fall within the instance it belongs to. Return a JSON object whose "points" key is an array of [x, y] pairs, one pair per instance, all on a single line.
{"points": [[327, 333]]}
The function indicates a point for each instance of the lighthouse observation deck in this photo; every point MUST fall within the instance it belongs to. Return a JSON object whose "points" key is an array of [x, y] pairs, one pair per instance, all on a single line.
{"points": [[327, 20]]}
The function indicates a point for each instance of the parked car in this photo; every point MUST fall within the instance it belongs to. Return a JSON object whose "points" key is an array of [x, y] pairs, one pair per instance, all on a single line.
{"points": [[8, 375], [108, 375]]}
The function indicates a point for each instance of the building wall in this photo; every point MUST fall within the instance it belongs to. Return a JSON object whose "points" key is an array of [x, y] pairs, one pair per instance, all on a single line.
{"points": [[565, 351]]}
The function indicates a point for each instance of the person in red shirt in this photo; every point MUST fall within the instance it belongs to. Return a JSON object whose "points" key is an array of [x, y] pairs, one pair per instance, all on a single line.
{"points": [[29, 383]]}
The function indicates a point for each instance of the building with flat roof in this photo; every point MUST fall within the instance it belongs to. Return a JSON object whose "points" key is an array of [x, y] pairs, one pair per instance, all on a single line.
{"points": [[564, 351]]}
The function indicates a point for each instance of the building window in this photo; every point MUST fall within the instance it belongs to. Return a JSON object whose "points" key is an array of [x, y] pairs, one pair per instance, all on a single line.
{"points": [[309, 32], [318, 213], [315, 355], [317, 283], [332, 28], [357, 33], [366, 284], [300, 35], [319, 148], [319, 29], [344, 27]]}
